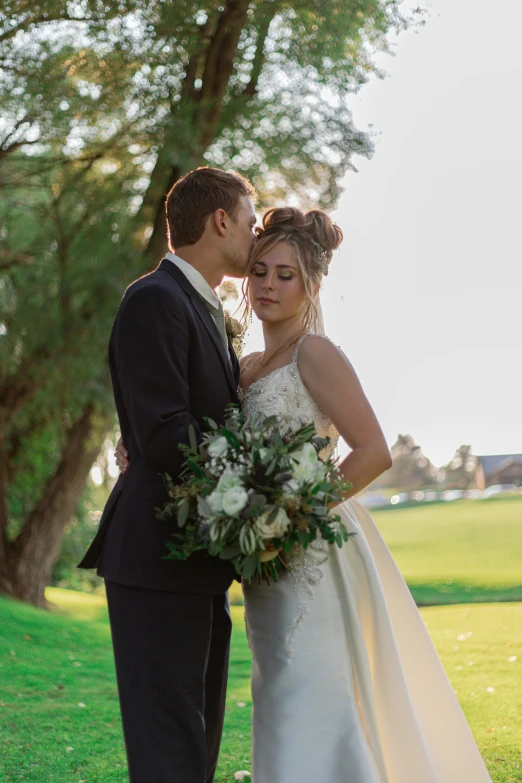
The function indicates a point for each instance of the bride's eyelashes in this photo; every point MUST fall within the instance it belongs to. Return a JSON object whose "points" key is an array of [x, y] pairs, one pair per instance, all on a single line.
{"points": [[262, 273]]}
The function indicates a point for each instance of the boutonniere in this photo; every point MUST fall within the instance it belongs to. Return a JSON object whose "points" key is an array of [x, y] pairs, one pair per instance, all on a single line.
{"points": [[236, 333], [233, 327]]}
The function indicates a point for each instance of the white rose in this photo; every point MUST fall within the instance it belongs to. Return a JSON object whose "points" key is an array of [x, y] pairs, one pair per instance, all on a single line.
{"points": [[308, 467], [229, 480], [234, 500], [218, 448], [215, 501], [276, 529]]}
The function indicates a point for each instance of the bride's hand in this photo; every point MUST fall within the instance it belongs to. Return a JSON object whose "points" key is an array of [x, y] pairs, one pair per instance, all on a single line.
{"points": [[122, 455]]}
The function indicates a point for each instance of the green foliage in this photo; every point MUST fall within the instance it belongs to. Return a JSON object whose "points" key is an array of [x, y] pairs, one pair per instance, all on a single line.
{"points": [[42, 688], [256, 459], [102, 107]]}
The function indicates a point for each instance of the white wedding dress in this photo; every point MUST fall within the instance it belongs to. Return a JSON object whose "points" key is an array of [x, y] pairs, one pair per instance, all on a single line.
{"points": [[346, 684]]}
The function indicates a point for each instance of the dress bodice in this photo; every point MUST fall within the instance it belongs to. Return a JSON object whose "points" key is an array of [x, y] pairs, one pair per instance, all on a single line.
{"points": [[282, 393]]}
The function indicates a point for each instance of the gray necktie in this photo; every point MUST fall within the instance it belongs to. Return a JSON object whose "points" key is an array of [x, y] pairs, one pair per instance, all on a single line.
{"points": [[218, 314]]}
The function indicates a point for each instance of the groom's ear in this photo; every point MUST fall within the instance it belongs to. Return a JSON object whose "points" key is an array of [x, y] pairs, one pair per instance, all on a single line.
{"points": [[220, 221]]}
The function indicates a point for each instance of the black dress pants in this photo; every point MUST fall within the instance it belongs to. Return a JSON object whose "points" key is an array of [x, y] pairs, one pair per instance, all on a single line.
{"points": [[172, 654]]}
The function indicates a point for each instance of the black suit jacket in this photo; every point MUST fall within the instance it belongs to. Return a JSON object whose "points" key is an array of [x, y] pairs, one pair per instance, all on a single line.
{"points": [[169, 369]]}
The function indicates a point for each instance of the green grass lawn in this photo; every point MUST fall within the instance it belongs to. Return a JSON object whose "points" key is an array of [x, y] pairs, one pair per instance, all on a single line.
{"points": [[59, 714], [460, 552], [467, 550]]}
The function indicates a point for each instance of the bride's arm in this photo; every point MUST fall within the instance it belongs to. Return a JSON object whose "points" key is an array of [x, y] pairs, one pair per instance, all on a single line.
{"points": [[334, 386]]}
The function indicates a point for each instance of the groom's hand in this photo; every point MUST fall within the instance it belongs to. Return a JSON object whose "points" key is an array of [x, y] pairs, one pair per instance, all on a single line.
{"points": [[122, 457]]}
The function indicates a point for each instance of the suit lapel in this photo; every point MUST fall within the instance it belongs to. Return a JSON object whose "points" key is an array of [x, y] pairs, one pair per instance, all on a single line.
{"points": [[206, 318], [234, 359]]}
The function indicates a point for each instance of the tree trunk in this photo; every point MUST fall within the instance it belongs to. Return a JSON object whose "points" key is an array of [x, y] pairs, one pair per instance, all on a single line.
{"points": [[157, 245], [4, 543], [33, 554]]}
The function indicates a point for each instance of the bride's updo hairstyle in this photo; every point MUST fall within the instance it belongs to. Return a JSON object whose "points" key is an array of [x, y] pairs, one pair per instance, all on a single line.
{"points": [[313, 237]]}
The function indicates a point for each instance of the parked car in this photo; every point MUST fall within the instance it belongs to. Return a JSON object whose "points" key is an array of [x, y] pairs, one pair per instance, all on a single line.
{"points": [[474, 494], [499, 489], [402, 497], [370, 501], [453, 494]]}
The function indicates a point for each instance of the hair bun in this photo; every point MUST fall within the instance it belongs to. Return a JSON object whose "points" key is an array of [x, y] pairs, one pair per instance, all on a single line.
{"points": [[323, 230], [316, 223], [285, 218]]}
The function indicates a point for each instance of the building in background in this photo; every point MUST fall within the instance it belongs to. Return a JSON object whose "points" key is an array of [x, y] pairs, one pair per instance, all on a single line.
{"points": [[498, 469]]}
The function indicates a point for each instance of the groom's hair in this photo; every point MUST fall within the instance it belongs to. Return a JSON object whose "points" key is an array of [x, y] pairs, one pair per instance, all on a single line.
{"points": [[196, 196]]}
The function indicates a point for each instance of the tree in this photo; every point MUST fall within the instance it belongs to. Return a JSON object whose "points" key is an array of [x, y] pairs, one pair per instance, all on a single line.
{"points": [[410, 469], [460, 472], [104, 106]]}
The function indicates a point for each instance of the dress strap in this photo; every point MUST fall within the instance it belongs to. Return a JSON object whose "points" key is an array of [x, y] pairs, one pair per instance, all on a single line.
{"points": [[296, 349]]}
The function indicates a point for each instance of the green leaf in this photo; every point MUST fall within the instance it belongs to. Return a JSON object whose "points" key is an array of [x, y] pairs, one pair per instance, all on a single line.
{"points": [[230, 551], [203, 505], [258, 501], [271, 467], [183, 512], [272, 516], [303, 538], [193, 465], [192, 438], [249, 566], [229, 435]]}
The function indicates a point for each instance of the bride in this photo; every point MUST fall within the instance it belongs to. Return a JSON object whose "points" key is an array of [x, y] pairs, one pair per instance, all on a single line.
{"points": [[346, 684]]}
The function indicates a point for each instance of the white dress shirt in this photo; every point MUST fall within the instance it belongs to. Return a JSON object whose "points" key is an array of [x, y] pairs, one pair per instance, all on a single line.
{"points": [[210, 298]]}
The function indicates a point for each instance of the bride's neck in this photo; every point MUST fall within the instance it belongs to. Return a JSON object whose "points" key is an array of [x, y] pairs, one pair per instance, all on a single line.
{"points": [[279, 334]]}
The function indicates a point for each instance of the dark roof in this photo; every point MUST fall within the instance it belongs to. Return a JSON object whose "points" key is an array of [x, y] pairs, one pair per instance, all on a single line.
{"points": [[494, 462]]}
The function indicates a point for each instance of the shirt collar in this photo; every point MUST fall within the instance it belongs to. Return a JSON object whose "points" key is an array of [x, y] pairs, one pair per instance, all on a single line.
{"points": [[196, 279]]}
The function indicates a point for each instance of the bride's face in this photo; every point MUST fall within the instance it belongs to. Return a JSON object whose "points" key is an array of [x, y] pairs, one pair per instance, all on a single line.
{"points": [[276, 288]]}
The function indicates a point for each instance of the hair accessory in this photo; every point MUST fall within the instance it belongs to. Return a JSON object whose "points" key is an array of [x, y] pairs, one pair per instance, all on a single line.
{"points": [[323, 257]]}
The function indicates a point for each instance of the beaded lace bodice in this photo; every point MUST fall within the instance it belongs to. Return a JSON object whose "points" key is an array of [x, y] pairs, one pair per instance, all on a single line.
{"points": [[282, 393]]}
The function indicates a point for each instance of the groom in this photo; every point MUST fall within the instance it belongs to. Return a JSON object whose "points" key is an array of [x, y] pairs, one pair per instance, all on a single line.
{"points": [[171, 365]]}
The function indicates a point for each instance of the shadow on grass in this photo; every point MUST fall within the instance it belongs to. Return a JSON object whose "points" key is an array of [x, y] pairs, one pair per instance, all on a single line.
{"points": [[454, 592]]}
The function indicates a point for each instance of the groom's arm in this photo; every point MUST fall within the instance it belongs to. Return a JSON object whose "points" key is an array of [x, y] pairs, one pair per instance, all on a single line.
{"points": [[151, 344]]}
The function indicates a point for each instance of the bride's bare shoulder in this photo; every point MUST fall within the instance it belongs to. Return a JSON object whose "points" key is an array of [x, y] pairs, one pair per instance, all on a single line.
{"points": [[318, 355], [317, 345]]}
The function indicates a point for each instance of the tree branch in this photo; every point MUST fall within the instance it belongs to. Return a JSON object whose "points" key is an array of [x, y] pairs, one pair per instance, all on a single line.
{"points": [[259, 57], [14, 259], [219, 66]]}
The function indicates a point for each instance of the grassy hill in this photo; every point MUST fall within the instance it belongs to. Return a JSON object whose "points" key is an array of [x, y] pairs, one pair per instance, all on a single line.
{"points": [[462, 552], [59, 714], [467, 550]]}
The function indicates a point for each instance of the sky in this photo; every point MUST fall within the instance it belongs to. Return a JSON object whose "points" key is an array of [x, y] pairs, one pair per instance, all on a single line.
{"points": [[425, 293]]}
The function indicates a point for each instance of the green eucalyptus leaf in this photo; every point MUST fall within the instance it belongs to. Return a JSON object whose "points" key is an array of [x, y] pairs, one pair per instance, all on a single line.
{"points": [[183, 512], [272, 516], [249, 565], [192, 438], [230, 551], [271, 467]]}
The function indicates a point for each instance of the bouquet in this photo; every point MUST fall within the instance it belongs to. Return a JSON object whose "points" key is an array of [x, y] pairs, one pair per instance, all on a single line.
{"points": [[250, 493]]}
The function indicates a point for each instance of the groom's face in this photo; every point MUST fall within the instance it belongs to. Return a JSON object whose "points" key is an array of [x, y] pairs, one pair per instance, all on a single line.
{"points": [[241, 239]]}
